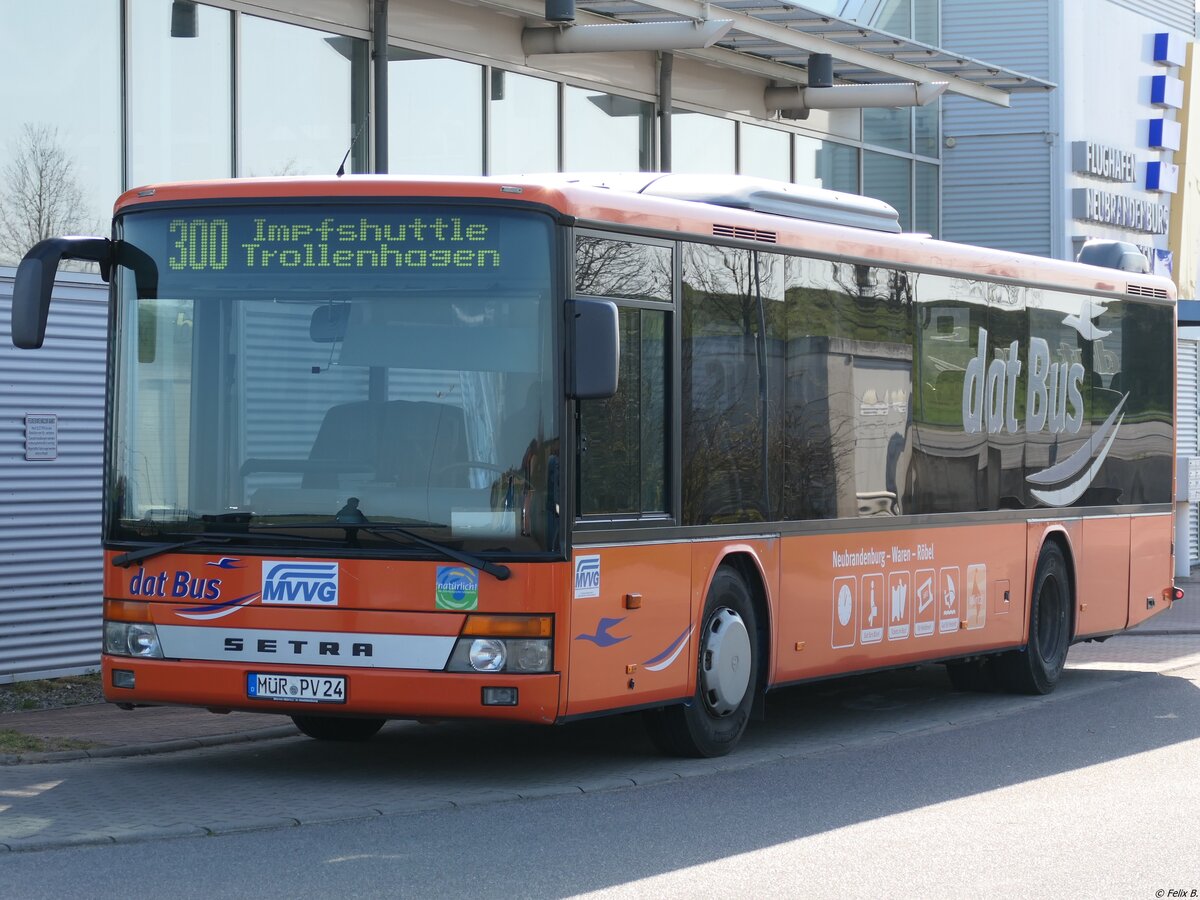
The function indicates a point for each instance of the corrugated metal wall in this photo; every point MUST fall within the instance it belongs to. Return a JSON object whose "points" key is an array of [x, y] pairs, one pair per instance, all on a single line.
{"points": [[50, 560], [996, 178], [1176, 13], [1187, 434]]}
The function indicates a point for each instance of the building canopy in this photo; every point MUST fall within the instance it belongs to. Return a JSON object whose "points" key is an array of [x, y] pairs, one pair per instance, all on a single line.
{"points": [[774, 38]]}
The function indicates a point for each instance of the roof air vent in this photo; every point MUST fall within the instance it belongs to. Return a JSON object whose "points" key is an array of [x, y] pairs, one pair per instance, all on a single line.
{"points": [[1144, 290], [745, 234]]}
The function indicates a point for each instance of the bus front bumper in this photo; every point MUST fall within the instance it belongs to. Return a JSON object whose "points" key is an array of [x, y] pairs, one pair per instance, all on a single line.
{"points": [[383, 693]]}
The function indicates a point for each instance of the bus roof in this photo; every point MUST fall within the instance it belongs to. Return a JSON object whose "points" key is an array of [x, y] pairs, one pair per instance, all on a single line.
{"points": [[747, 210]]}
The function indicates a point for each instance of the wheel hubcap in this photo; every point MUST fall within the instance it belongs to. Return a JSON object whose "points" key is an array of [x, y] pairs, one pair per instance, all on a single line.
{"points": [[725, 662]]}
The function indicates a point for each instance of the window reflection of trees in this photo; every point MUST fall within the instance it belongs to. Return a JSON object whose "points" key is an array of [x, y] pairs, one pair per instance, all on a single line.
{"points": [[606, 268], [623, 438], [724, 386]]}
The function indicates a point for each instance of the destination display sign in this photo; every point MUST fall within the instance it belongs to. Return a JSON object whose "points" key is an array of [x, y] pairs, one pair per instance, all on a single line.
{"points": [[305, 242]]}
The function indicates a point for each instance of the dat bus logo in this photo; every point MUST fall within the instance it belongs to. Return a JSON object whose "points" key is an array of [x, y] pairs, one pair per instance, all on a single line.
{"points": [[299, 584], [1053, 402]]}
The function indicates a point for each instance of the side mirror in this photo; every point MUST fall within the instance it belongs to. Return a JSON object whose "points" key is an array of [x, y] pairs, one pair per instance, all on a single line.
{"points": [[328, 323], [35, 282], [595, 349]]}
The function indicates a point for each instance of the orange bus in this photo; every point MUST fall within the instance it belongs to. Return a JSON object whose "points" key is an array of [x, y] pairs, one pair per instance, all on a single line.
{"points": [[540, 449]]}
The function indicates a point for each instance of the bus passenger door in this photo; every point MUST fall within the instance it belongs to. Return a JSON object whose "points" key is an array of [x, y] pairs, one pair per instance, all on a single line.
{"points": [[1102, 573], [630, 606], [630, 626]]}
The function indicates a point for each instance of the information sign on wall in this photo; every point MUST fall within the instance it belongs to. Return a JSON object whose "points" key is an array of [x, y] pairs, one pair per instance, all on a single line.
{"points": [[41, 436]]}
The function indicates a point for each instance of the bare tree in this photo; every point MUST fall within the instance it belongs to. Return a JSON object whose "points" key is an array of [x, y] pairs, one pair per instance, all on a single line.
{"points": [[40, 194]]}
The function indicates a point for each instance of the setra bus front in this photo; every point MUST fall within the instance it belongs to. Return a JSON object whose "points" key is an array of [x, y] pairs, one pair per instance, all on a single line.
{"points": [[333, 485]]}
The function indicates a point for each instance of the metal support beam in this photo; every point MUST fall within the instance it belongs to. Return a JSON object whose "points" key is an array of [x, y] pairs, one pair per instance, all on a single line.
{"points": [[379, 38], [852, 96], [630, 36], [666, 65]]}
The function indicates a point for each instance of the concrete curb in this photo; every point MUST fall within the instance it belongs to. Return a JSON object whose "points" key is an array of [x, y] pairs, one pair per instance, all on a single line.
{"points": [[147, 749]]}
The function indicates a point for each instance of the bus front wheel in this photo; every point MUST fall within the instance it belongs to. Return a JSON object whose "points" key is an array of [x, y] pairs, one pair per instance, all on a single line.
{"points": [[336, 728], [712, 721], [1035, 670]]}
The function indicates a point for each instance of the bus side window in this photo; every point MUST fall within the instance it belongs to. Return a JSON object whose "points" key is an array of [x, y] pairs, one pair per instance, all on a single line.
{"points": [[622, 439]]}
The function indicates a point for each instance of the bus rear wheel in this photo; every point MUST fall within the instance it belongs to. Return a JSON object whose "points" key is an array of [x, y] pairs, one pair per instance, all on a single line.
{"points": [[1036, 669], [712, 721], [337, 728]]}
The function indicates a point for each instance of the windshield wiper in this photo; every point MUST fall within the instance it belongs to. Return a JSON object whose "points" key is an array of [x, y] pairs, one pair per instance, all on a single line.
{"points": [[497, 570], [127, 559], [384, 530]]}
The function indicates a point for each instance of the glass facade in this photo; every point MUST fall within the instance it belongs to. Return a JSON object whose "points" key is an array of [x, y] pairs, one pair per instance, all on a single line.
{"points": [[524, 114], [927, 210], [180, 96], [60, 145], [702, 144], [227, 93], [826, 164], [302, 124], [891, 128], [890, 179], [435, 115], [606, 132], [764, 152]]}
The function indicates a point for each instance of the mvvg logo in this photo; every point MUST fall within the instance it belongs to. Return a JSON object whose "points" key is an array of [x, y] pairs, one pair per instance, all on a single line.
{"points": [[587, 577], [300, 584]]}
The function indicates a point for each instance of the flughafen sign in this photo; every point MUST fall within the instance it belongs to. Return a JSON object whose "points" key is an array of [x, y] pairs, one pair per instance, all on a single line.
{"points": [[1106, 207]]}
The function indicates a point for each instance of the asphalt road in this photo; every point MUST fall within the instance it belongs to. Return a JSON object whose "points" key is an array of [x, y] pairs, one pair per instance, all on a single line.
{"points": [[886, 786]]}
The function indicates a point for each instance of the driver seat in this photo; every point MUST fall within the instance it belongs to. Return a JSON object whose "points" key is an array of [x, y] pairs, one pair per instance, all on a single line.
{"points": [[404, 442]]}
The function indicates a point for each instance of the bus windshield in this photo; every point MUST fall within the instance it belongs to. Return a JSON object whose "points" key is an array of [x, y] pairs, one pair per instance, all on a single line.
{"points": [[299, 365]]}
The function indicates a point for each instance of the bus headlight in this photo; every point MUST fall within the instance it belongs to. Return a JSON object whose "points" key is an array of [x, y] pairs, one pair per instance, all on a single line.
{"points": [[528, 656], [132, 639], [487, 655], [517, 655], [504, 643]]}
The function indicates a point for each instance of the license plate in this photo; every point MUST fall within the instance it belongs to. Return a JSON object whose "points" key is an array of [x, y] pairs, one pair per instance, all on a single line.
{"points": [[297, 688]]}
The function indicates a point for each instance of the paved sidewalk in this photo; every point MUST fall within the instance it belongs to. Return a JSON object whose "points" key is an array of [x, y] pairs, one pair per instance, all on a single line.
{"points": [[118, 732]]}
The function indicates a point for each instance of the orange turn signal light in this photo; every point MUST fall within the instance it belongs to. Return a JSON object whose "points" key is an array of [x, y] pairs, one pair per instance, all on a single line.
{"points": [[126, 611], [509, 626]]}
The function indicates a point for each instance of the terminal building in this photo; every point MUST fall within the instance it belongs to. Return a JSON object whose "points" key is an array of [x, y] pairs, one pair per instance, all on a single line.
{"points": [[1030, 126]]}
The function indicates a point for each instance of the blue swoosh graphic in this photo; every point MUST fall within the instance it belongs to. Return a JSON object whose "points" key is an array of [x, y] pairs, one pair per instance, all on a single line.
{"points": [[656, 663], [216, 611], [226, 562], [602, 638]]}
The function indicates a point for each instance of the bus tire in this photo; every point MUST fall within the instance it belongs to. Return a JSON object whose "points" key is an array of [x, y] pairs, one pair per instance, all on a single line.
{"points": [[712, 721], [1036, 668], [338, 728]]}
